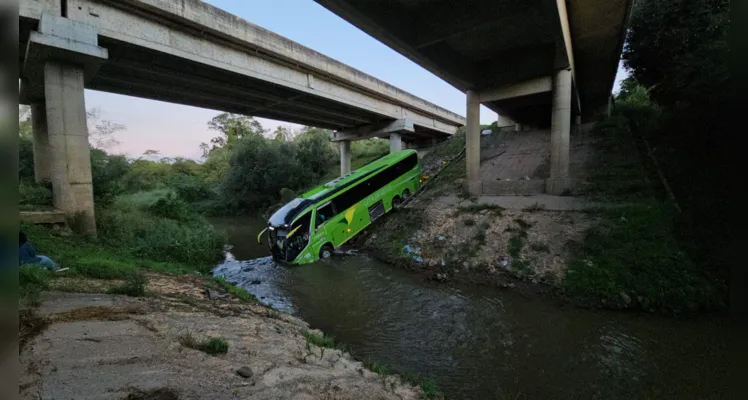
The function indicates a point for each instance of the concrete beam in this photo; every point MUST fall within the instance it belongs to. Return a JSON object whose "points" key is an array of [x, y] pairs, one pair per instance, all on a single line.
{"points": [[526, 88], [374, 130], [63, 40], [566, 33], [472, 145], [201, 33]]}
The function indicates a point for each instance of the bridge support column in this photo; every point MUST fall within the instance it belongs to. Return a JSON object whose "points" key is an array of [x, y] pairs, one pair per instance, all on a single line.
{"points": [[472, 144], [518, 127], [396, 142], [503, 121], [559, 181], [345, 157], [59, 56], [72, 186], [42, 155]]}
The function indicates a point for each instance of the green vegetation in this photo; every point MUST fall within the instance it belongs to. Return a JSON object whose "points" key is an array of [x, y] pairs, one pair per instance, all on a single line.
{"points": [[238, 292], [212, 346], [632, 254], [320, 340]]}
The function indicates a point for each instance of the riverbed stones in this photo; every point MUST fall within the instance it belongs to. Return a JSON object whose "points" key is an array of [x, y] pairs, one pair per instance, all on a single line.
{"points": [[245, 372]]}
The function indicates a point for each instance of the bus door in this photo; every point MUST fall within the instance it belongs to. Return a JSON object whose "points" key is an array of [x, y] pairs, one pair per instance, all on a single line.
{"points": [[324, 214]]}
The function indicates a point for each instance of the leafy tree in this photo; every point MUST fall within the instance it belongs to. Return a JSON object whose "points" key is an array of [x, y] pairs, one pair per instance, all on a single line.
{"points": [[259, 169], [680, 49], [315, 153], [233, 127]]}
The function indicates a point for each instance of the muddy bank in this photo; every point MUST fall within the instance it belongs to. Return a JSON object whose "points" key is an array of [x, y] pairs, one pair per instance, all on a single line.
{"points": [[526, 251], [176, 343]]}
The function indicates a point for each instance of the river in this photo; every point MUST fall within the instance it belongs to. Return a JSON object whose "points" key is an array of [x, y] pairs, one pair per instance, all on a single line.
{"points": [[485, 343]]}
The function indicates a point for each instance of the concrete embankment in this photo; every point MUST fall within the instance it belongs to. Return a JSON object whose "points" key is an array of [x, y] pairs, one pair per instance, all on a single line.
{"points": [[101, 346]]}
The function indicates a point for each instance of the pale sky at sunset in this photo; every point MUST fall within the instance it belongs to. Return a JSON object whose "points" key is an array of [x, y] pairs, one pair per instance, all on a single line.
{"points": [[177, 130]]}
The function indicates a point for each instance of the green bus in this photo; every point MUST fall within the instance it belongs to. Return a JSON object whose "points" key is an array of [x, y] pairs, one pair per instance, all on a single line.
{"points": [[311, 226]]}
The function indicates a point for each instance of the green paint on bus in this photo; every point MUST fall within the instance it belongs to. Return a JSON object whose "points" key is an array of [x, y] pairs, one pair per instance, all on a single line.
{"points": [[322, 219]]}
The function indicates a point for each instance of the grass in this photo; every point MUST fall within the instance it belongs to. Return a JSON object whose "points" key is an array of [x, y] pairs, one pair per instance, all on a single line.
{"points": [[234, 290], [212, 346], [515, 245], [95, 259], [320, 340], [134, 286], [632, 250], [524, 225]]}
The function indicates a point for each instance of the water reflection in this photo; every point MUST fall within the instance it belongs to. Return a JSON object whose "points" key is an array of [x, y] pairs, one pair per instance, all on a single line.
{"points": [[482, 343]]}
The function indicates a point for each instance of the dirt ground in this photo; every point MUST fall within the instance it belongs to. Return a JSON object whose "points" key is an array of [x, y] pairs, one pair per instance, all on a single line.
{"points": [[461, 242], [99, 346]]}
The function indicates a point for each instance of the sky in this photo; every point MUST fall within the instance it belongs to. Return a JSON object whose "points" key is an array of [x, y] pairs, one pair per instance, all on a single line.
{"points": [[177, 130]]}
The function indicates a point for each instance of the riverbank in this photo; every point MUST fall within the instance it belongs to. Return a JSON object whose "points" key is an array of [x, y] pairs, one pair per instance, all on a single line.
{"points": [[615, 247], [93, 330]]}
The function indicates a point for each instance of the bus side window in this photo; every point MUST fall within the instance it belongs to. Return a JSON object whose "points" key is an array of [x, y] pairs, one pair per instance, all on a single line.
{"points": [[324, 213], [304, 221]]}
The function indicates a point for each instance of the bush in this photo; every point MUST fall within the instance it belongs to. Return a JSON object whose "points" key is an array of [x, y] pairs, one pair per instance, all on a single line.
{"points": [[172, 207], [34, 194], [193, 241], [189, 188], [287, 195], [134, 286], [107, 173]]}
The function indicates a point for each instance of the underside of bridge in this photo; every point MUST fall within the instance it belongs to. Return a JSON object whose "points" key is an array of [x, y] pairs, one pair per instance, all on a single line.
{"points": [[538, 63]]}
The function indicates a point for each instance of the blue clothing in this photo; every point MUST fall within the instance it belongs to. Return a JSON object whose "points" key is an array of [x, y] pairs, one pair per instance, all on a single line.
{"points": [[47, 262], [27, 255]]}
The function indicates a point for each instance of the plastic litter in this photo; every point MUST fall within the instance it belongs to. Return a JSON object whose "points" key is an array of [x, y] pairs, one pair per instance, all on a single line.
{"points": [[441, 238], [443, 263], [418, 259]]}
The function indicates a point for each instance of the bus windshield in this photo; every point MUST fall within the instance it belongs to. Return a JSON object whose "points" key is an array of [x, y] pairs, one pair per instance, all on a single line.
{"points": [[288, 212]]}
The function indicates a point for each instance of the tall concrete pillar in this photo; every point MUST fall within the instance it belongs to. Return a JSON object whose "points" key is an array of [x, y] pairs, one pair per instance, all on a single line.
{"points": [[345, 157], [472, 143], [68, 143], [42, 155], [396, 142], [517, 127], [559, 181]]}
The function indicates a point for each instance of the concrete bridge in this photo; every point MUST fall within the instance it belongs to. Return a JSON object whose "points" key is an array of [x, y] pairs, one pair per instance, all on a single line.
{"points": [[537, 63], [189, 52]]}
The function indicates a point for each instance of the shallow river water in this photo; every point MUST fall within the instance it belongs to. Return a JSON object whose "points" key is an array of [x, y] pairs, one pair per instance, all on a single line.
{"points": [[485, 343]]}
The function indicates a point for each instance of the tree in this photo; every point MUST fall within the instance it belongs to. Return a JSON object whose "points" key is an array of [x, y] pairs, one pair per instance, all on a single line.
{"points": [[205, 148], [679, 49], [258, 169], [101, 133], [233, 127], [282, 134], [315, 153]]}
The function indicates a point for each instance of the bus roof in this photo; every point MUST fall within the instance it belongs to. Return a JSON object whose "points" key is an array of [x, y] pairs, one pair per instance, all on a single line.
{"points": [[319, 192], [286, 214]]}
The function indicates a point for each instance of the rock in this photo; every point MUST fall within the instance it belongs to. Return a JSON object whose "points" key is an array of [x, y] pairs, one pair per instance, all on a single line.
{"points": [[255, 282], [245, 372], [483, 212], [248, 269], [441, 277], [215, 294], [625, 297]]}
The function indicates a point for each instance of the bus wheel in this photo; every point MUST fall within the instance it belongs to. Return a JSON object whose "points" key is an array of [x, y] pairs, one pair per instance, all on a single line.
{"points": [[406, 194], [326, 252], [395, 203]]}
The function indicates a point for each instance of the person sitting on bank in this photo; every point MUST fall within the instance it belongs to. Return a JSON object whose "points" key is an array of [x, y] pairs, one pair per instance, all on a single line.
{"points": [[27, 255]]}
